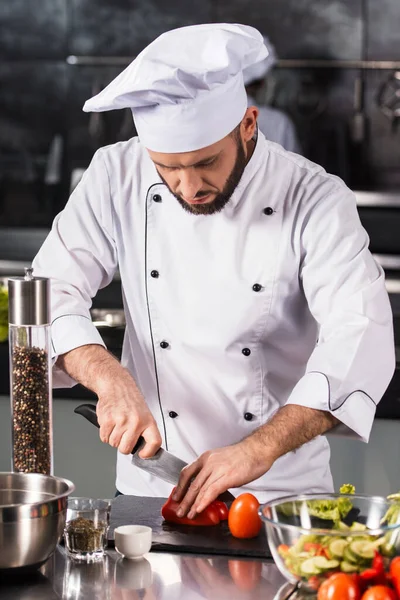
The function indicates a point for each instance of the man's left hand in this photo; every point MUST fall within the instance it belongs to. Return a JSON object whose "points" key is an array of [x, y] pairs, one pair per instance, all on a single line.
{"points": [[218, 470]]}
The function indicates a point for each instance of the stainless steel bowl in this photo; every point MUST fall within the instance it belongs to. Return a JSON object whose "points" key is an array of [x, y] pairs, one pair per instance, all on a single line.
{"points": [[33, 509]]}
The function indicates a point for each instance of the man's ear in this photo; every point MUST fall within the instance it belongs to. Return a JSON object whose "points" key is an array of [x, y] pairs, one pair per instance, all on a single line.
{"points": [[249, 124]]}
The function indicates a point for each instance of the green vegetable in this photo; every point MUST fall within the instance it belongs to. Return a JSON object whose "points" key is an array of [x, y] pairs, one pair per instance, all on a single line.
{"points": [[331, 509], [392, 516], [346, 567], [352, 550], [3, 314], [362, 550], [347, 488], [316, 565], [324, 554], [349, 556], [323, 564], [358, 526], [336, 548]]}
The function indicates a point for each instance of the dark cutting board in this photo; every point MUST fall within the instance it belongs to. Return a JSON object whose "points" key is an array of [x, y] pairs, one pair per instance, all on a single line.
{"points": [[135, 510]]}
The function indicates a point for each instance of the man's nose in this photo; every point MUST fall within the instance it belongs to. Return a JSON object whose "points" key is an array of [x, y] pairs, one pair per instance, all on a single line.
{"points": [[190, 183]]}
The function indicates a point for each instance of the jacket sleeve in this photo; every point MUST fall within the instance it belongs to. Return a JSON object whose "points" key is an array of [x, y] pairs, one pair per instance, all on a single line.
{"points": [[354, 359], [80, 257]]}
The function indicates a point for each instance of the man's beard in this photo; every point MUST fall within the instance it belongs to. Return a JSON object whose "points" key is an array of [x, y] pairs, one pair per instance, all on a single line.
{"points": [[221, 199]]}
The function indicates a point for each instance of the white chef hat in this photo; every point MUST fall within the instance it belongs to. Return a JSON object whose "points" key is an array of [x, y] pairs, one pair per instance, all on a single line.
{"points": [[260, 69], [186, 88]]}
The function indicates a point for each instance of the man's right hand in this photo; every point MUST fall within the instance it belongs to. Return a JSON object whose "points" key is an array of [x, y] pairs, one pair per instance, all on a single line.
{"points": [[123, 416], [122, 412]]}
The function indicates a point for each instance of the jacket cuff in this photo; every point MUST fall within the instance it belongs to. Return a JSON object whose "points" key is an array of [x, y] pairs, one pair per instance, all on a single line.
{"points": [[356, 411], [67, 333]]}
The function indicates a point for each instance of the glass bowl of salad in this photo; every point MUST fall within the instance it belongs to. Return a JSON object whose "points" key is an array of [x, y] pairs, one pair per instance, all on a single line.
{"points": [[313, 536]]}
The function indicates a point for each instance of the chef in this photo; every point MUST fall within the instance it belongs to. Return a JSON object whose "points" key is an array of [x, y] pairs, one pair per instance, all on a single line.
{"points": [[256, 318], [274, 123]]}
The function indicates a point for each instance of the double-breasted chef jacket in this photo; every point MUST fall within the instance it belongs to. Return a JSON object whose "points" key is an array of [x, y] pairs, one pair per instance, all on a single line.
{"points": [[274, 300]]}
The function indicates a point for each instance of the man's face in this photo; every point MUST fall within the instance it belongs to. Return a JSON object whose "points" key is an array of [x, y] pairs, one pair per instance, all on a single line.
{"points": [[204, 180]]}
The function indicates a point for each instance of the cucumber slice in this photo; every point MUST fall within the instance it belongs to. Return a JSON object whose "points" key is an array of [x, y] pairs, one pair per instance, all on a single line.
{"points": [[362, 550], [323, 564], [349, 557], [337, 547], [342, 526], [347, 567], [309, 568]]}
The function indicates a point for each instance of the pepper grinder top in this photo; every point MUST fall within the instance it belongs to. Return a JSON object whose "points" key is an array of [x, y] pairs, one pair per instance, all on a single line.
{"points": [[29, 300]]}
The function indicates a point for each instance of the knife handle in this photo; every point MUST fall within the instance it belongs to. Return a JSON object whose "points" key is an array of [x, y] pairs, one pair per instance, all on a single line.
{"points": [[89, 412]]}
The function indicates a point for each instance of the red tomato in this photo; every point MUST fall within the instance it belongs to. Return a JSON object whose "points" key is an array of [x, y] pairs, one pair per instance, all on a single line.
{"points": [[245, 573], [395, 573], [222, 509], [379, 592], [339, 587], [243, 519], [314, 582], [283, 549]]}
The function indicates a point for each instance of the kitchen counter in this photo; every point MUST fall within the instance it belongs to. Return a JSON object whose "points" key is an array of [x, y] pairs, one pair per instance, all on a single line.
{"points": [[157, 576]]}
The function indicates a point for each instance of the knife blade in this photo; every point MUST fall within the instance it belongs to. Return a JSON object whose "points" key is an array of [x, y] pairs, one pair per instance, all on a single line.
{"points": [[162, 465]]}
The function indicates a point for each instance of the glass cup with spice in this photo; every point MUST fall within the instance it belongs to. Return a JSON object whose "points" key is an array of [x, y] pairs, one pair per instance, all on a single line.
{"points": [[86, 528]]}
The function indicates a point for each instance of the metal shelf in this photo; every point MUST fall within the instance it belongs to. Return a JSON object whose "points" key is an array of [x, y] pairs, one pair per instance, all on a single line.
{"points": [[285, 63]]}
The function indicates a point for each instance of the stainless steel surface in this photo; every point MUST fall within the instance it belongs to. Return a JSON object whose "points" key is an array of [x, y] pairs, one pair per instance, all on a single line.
{"points": [[113, 61], [377, 199], [32, 515], [28, 300], [388, 261], [157, 576], [389, 98], [380, 65], [393, 286], [53, 172], [12, 267], [288, 63], [163, 465], [287, 592]]}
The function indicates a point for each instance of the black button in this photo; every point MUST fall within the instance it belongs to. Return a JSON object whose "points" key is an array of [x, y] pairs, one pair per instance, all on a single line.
{"points": [[257, 287], [157, 198], [268, 211], [248, 416], [164, 345], [246, 351], [155, 274], [173, 414]]}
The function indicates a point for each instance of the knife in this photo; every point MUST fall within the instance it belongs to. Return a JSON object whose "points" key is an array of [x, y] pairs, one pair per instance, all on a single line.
{"points": [[163, 464]]}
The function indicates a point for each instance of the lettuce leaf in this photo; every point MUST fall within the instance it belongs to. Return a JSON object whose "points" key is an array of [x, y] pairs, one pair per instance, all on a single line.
{"points": [[330, 509]]}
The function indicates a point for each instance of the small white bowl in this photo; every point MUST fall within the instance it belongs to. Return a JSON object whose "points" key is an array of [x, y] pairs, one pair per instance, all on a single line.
{"points": [[132, 541]]}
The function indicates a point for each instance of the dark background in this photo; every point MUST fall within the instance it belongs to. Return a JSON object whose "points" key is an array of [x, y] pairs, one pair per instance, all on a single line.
{"points": [[41, 95]]}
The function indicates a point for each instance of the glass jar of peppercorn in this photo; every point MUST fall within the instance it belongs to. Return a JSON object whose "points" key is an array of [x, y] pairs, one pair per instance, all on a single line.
{"points": [[30, 374]]}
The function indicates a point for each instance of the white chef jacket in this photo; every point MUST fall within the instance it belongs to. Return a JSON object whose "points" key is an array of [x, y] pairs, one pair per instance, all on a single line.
{"points": [[276, 126], [316, 331]]}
